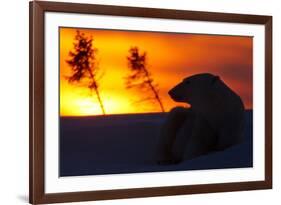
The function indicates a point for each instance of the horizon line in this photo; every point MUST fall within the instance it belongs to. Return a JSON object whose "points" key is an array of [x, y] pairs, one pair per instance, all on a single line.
{"points": [[120, 114]]}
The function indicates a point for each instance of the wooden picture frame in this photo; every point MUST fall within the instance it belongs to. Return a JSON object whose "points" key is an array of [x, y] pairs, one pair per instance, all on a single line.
{"points": [[37, 10]]}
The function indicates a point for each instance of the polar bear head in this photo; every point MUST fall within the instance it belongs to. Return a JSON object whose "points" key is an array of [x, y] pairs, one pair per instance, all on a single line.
{"points": [[194, 89]]}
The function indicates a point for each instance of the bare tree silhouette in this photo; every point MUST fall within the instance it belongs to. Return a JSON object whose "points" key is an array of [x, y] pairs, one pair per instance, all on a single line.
{"points": [[84, 65], [140, 77]]}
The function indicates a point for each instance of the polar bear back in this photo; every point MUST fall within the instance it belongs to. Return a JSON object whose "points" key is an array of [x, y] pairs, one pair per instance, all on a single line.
{"points": [[224, 110]]}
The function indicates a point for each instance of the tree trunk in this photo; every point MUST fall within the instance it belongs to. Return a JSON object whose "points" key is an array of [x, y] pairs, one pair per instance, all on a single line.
{"points": [[100, 101], [97, 91], [154, 91], [157, 97]]}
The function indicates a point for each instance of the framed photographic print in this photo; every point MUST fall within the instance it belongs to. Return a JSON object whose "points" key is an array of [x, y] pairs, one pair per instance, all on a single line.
{"points": [[140, 102]]}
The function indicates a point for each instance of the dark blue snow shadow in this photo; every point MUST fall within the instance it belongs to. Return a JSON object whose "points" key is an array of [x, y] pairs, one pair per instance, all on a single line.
{"points": [[127, 144]]}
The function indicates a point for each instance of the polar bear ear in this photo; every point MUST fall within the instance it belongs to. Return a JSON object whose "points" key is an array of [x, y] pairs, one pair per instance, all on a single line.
{"points": [[215, 79]]}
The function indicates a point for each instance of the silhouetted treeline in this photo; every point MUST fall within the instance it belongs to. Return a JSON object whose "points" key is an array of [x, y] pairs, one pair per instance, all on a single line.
{"points": [[85, 70], [140, 77], [84, 65]]}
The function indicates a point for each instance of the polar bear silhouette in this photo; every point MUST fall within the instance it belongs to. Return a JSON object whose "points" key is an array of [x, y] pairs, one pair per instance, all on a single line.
{"points": [[214, 122]]}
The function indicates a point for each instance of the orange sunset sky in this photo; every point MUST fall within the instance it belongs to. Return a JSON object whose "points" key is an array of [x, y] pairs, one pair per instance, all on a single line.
{"points": [[170, 58]]}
